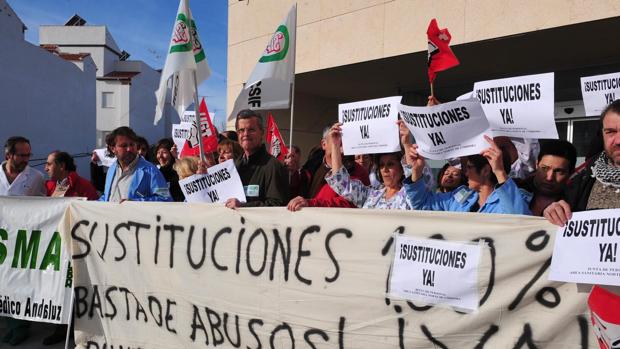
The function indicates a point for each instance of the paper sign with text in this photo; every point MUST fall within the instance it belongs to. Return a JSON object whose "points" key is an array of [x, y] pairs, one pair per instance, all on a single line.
{"points": [[436, 272], [369, 127], [520, 106], [189, 117], [599, 91], [104, 159], [221, 183], [586, 249], [180, 134], [447, 130]]}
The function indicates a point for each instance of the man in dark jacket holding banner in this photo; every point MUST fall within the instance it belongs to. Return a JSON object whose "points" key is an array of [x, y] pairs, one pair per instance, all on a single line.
{"points": [[264, 178]]}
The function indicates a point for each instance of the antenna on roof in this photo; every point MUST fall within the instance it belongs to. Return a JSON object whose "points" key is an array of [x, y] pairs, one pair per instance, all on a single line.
{"points": [[124, 56], [75, 21]]}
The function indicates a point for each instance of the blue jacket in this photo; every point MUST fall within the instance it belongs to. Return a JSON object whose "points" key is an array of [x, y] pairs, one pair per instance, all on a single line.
{"points": [[148, 184], [506, 198]]}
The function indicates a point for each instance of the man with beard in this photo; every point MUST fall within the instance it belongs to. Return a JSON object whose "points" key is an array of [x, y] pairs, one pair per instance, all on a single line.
{"points": [[556, 163], [131, 177], [16, 177], [19, 179], [594, 188]]}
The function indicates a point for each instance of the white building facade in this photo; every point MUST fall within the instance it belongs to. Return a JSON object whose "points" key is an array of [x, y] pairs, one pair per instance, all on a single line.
{"points": [[45, 97], [125, 90]]}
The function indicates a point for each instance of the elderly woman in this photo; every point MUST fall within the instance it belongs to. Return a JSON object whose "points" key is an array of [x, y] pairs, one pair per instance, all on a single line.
{"points": [[228, 149], [390, 195], [488, 190]]}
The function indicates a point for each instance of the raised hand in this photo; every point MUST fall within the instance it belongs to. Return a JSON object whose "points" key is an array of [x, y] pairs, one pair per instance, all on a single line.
{"points": [[416, 161], [493, 154]]}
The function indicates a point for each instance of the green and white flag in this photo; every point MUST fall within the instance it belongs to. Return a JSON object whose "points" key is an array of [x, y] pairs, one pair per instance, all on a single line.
{"points": [[184, 58], [268, 87]]}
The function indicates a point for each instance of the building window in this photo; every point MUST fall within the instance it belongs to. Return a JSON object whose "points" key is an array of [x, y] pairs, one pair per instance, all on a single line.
{"points": [[107, 100], [562, 127], [586, 133]]}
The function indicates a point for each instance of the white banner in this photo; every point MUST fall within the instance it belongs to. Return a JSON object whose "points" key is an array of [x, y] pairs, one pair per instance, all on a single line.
{"points": [[169, 275], [520, 106], [369, 127], [35, 271], [586, 249], [436, 272], [447, 130], [599, 91], [221, 183]]}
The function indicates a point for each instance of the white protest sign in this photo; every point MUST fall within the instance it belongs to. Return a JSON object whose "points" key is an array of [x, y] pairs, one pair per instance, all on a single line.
{"points": [[180, 134], [104, 159], [520, 106], [35, 274], [586, 249], [267, 277], [447, 130], [189, 117], [221, 183], [369, 127], [599, 91], [436, 272]]}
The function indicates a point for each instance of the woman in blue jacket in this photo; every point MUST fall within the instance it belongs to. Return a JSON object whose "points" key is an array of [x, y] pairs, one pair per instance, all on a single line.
{"points": [[488, 190]]}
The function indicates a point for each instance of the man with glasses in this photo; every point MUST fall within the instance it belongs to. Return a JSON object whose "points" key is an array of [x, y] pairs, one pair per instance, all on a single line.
{"points": [[264, 178], [16, 177], [19, 179]]}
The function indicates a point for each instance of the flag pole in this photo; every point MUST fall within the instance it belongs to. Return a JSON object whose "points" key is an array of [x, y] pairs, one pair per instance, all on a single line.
{"points": [[196, 105], [290, 139], [432, 90]]}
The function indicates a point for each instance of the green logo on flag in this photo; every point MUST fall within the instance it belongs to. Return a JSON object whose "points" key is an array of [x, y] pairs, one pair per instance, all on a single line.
{"points": [[180, 36], [278, 46], [199, 53]]}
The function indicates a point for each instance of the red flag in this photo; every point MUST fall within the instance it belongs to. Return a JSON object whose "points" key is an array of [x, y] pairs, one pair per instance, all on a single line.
{"points": [[209, 137], [440, 56], [275, 144]]}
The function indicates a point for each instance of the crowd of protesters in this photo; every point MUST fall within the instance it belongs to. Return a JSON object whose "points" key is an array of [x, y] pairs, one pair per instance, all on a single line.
{"points": [[540, 180]]}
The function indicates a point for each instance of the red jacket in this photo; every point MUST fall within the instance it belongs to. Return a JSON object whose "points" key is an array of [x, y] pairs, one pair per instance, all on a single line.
{"points": [[327, 197], [78, 186]]}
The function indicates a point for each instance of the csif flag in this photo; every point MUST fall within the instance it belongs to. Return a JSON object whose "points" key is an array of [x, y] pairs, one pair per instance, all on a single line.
{"points": [[185, 57], [269, 84], [209, 136], [275, 144], [440, 56]]}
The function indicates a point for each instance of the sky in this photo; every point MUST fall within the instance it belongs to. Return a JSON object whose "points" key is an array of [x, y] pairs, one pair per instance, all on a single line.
{"points": [[143, 28]]}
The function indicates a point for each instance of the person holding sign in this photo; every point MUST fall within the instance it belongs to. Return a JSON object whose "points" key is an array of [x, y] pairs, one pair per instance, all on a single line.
{"points": [[490, 189], [597, 187], [390, 195], [264, 178]]}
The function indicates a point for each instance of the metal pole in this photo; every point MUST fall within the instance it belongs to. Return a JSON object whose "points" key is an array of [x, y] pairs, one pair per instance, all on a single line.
{"points": [[196, 105], [290, 140]]}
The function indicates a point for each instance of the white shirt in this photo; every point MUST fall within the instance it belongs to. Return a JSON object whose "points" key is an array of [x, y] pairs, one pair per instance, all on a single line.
{"points": [[29, 182]]}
